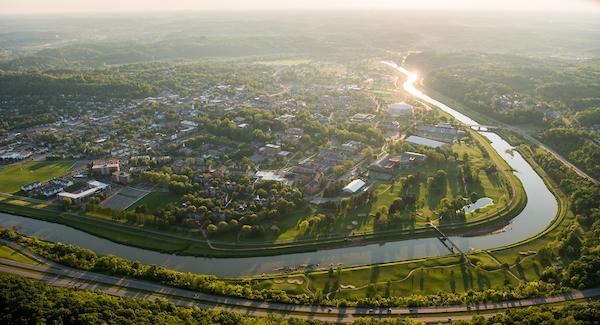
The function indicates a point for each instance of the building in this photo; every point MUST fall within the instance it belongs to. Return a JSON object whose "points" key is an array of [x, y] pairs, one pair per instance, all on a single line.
{"points": [[413, 158], [270, 175], [31, 187], [360, 117], [51, 191], [352, 147], [101, 167], [413, 139], [286, 118], [14, 156], [93, 188], [309, 174], [354, 186], [121, 177], [401, 110], [64, 183], [270, 149], [441, 131], [386, 163]]}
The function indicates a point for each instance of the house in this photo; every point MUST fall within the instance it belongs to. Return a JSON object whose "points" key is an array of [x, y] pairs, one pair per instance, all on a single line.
{"points": [[61, 182], [401, 110], [354, 186], [100, 167], [352, 147], [286, 118], [360, 117], [51, 191], [270, 149], [16, 155], [121, 177], [31, 187], [413, 139]]}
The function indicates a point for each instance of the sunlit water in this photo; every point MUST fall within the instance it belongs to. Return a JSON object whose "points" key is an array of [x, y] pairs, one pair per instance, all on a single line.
{"points": [[541, 208]]}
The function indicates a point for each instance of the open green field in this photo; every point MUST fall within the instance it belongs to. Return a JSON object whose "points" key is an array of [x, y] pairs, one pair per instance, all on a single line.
{"points": [[447, 273], [422, 276], [156, 200], [13, 176]]}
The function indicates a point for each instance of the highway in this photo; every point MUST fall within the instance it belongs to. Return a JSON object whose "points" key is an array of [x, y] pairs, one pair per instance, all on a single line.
{"points": [[62, 276]]}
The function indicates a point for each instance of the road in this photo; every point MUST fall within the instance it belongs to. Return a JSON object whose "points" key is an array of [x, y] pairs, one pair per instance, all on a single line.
{"points": [[59, 275], [554, 153], [409, 86]]}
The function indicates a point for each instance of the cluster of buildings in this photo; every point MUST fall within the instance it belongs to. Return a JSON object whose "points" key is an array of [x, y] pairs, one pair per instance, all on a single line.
{"points": [[435, 136], [12, 156], [390, 163], [92, 188], [48, 189]]}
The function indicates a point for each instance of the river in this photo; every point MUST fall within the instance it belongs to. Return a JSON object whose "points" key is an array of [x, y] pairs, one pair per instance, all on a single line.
{"points": [[540, 210]]}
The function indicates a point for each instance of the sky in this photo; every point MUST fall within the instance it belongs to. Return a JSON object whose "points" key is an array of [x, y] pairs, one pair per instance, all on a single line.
{"points": [[74, 6]]}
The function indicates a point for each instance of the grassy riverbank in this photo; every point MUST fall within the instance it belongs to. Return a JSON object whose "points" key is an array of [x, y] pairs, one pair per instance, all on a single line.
{"points": [[193, 244], [485, 269]]}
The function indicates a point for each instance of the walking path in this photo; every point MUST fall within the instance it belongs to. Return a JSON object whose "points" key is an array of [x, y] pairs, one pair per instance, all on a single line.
{"points": [[59, 275]]}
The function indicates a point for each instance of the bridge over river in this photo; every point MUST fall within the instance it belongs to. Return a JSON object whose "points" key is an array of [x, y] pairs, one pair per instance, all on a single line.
{"points": [[540, 210]]}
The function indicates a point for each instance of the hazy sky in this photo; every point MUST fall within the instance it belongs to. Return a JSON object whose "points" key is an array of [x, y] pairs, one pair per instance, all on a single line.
{"points": [[60, 6]]}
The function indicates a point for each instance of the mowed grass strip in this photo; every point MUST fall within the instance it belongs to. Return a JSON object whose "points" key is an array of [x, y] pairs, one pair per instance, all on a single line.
{"points": [[156, 200], [11, 254], [12, 177]]}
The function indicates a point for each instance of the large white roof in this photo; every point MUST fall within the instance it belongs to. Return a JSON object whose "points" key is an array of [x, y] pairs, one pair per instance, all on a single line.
{"points": [[401, 106], [424, 141], [354, 186]]}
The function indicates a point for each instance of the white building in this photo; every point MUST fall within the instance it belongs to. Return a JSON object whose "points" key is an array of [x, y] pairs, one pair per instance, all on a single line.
{"points": [[401, 109], [270, 175], [413, 139], [354, 186], [94, 187]]}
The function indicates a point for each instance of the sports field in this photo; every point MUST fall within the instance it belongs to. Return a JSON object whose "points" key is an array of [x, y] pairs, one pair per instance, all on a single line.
{"points": [[13, 176], [124, 198]]}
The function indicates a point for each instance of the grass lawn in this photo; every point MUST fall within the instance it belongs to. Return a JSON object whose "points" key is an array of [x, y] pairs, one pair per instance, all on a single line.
{"points": [[446, 273], [13, 176], [156, 200], [11, 254], [359, 220], [423, 276]]}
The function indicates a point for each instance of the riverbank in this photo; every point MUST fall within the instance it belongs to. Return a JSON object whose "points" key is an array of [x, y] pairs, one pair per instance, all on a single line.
{"points": [[480, 270]]}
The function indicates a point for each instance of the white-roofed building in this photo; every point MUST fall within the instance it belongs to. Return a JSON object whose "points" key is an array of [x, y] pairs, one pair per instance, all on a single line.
{"points": [[94, 187], [413, 139], [400, 109], [354, 186], [270, 175]]}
